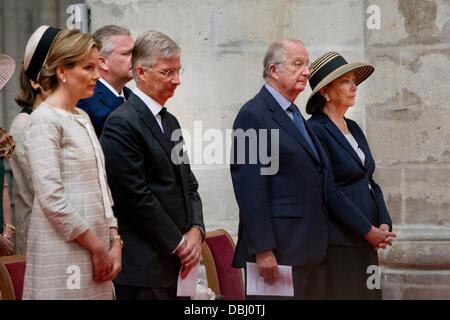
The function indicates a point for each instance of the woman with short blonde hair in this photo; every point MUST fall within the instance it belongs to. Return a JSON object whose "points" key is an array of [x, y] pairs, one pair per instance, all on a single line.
{"points": [[73, 250]]}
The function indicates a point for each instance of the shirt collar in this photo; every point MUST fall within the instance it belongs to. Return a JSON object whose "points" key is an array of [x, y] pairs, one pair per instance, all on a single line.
{"points": [[110, 87], [282, 101], [154, 106]]}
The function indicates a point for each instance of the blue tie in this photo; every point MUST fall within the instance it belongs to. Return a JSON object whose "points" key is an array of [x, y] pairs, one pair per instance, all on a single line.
{"points": [[299, 123], [120, 100]]}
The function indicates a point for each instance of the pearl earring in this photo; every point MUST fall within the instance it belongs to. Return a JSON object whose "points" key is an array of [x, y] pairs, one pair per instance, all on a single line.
{"points": [[326, 98], [64, 80]]}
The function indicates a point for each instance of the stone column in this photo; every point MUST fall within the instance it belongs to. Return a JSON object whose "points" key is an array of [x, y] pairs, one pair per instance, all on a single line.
{"points": [[407, 126]]}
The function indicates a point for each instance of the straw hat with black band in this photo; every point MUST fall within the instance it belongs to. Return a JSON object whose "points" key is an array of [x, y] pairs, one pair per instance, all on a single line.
{"points": [[328, 68], [37, 50], [7, 66]]}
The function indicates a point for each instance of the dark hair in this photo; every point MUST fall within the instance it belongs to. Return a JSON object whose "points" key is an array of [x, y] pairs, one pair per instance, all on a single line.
{"points": [[27, 94], [316, 103]]}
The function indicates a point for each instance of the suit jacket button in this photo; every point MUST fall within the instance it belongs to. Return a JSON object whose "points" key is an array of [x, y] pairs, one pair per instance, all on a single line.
{"points": [[319, 169]]}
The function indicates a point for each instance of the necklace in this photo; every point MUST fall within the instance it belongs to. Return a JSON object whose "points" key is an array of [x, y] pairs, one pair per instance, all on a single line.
{"points": [[346, 131]]}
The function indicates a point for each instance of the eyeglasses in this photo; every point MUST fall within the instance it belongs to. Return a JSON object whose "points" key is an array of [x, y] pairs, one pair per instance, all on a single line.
{"points": [[298, 65], [169, 74]]}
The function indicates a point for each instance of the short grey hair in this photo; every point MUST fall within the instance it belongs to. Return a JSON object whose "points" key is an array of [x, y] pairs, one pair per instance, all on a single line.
{"points": [[276, 54], [151, 46], [105, 35]]}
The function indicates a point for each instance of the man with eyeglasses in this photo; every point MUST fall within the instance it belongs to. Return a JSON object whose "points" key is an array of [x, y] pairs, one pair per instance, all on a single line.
{"points": [[155, 196], [114, 67], [283, 216]]}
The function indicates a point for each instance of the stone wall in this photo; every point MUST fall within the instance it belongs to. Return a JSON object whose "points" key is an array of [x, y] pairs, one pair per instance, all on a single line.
{"points": [[407, 126], [223, 43], [403, 107], [18, 20]]}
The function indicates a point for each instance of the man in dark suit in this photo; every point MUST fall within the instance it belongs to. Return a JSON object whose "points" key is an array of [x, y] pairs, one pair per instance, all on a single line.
{"points": [[114, 67], [155, 195], [283, 214]]}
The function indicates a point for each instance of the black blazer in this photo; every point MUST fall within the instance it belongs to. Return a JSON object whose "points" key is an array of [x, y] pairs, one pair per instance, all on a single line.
{"points": [[287, 211], [155, 200], [352, 177], [100, 105]]}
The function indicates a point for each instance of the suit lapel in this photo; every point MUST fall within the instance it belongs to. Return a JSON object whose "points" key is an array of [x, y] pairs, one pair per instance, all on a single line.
{"points": [[280, 116], [361, 143], [317, 143], [108, 98], [340, 138], [126, 92], [146, 116]]}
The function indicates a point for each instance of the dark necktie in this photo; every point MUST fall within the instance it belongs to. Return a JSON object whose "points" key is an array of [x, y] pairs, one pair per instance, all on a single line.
{"points": [[119, 100], [168, 130], [300, 124], [166, 126]]}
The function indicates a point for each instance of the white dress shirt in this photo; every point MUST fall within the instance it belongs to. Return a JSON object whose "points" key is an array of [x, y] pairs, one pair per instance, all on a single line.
{"points": [[110, 87]]}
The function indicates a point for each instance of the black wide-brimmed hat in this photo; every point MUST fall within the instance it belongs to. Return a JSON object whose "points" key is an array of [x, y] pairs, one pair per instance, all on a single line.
{"points": [[328, 68]]}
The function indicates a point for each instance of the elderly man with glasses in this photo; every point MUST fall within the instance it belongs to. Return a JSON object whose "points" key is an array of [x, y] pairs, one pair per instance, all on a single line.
{"points": [[155, 194]]}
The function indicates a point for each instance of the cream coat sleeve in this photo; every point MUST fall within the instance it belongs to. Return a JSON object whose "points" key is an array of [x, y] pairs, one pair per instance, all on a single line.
{"points": [[43, 142]]}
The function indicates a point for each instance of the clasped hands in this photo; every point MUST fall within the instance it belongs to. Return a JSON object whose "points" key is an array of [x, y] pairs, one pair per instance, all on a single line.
{"points": [[107, 264], [380, 237]]}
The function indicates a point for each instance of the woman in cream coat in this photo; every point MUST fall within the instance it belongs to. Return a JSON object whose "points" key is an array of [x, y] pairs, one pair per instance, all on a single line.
{"points": [[73, 250]]}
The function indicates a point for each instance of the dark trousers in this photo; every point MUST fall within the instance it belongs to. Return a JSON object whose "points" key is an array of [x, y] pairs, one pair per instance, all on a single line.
{"points": [[309, 284], [145, 293]]}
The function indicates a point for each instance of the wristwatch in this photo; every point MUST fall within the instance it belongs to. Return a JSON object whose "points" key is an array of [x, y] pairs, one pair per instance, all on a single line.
{"points": [[202, 231]]}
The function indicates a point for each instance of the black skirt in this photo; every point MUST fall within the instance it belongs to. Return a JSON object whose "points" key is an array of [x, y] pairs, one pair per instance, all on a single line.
{"points": [[348, 276]]}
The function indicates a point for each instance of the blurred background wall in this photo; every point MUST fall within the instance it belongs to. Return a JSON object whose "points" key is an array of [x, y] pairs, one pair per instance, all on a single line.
{"points": [[403, 107]]}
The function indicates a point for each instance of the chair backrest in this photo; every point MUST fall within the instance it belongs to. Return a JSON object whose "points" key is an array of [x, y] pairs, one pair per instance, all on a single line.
{"points": [[12, 273], [223, 279]]}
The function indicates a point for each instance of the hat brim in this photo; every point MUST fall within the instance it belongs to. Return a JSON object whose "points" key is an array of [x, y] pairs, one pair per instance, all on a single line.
{"points": [[7, 66], [362, 72]]}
